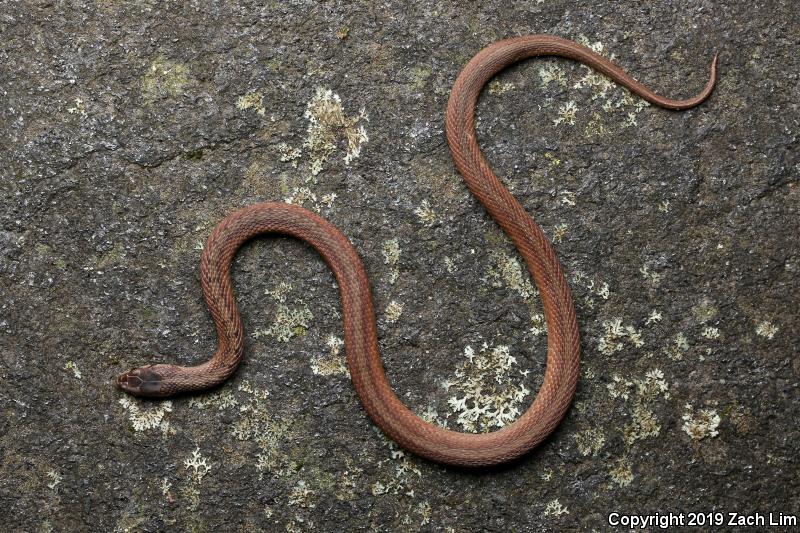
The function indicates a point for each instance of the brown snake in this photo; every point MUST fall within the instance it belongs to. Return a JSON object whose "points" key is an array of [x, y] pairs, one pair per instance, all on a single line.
{"points": [[363, 359]]}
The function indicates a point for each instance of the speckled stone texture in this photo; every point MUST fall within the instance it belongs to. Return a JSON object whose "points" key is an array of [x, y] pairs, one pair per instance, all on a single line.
{"points": [[129, 131]]}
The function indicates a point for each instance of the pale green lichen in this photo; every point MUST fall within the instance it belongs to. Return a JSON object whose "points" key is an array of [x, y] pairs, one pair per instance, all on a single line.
{"points": [[425, 213], [74, 368], [766, 329], [616, 334], [327, 123], [391, 255], [566, 114], [220, 400], [554, 508], [710, 332], [619, 387], [552, 73], [569, 198], [486, 396], [653, 277], [78, 108], [55, 479], [252, 100], [288, 322], [150, 418], [197, 465], [164, 78], [655, 316], [701, 424], [288, 154], [507, 271], [678, 348], [393, 311], [622, 473], [497, 87], [332, 364], [705, 310], [301, 495], [590, 441], [559, 231]]}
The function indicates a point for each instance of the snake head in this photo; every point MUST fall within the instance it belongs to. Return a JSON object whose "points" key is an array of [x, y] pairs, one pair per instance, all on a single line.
{"points": [[144, 382]]}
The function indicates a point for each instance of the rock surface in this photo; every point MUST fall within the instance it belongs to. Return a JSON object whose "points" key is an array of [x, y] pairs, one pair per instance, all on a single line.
{"points": [[129, 131]]}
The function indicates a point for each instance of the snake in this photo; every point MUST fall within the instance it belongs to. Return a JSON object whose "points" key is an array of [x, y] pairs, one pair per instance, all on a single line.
{"points": [[381, 403]]}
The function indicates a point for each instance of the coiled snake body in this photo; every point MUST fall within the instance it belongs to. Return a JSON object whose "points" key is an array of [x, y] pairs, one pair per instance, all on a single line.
{"points": [[363, 358]]}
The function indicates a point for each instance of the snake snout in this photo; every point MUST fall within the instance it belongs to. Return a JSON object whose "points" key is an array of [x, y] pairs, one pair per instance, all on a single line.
{"points": [[140, 382]]}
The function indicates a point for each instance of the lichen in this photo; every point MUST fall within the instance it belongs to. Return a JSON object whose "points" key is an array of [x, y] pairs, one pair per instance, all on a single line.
{"points": [[507, 271], [590, 441], [425, 213], [152, 417], [252, 100], [482, 404], [197, 465], [393, 311], [616, 335], [164, 78], [328, 123], [332, 364], [701, 424], [622, 473], [554, 508], [391, 255], [766, 329]]}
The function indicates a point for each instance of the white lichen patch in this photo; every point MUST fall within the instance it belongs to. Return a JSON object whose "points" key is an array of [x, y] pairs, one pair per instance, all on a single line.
{"points": [[653, 277], [197, 465], [622, 473], [538, 324], [259, 427], [559, 231], [654, 317], [766, 329], [404, 475], [486, 396], [327, 124], [554, 508], [391, 255], [287, 154], [619, 387], [300, 196], [552, 73], [569, 198], [301, 496], [74, 368], [393, 311], [701, 424], [55, 478], [710, 333], [334, 364], [152, 417], [507, 271], [616, 335], [220, 400], [566, 114], [252, 100], [590, 441], [425, 213], [78, 108], [497, 86], [645, 392], [678, 348], [288, 323]]}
